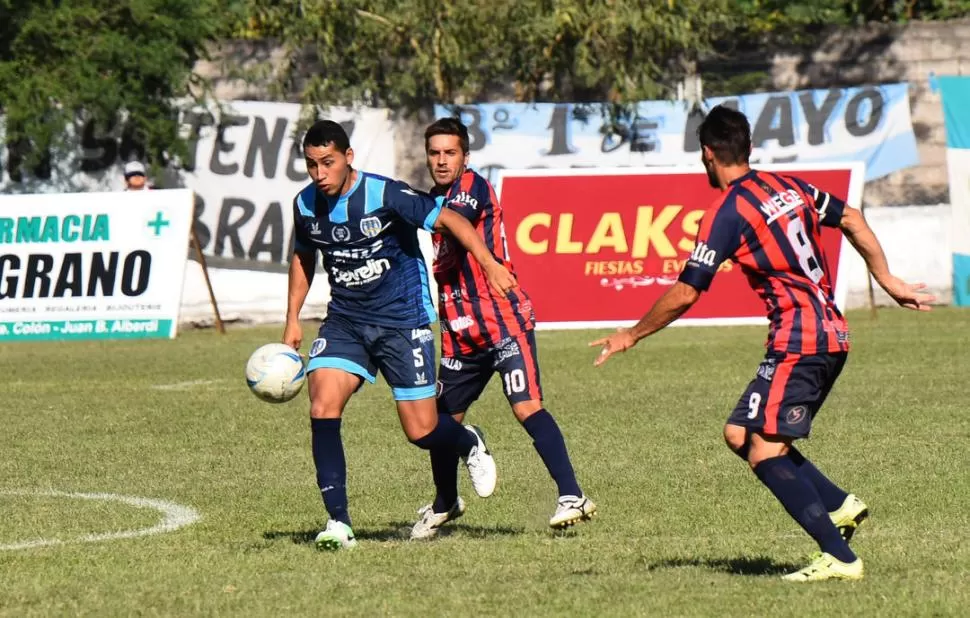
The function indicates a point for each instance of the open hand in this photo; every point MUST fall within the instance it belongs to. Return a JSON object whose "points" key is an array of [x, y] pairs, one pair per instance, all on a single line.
{"points": [[620, 341], [908, 295]]}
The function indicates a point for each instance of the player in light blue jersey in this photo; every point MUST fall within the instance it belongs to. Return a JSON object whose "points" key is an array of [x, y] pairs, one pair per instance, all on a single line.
{"points": [[379, 314]]}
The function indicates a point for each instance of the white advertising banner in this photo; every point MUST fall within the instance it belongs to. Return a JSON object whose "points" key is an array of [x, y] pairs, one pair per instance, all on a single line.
{"points": [[92, 265]]}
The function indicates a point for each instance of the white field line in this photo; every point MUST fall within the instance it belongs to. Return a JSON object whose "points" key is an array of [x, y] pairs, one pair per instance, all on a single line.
{"points": [[174, 516]]}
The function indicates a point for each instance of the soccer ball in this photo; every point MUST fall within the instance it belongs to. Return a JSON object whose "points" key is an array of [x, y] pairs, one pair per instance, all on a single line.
{"points": [[275, 373]]}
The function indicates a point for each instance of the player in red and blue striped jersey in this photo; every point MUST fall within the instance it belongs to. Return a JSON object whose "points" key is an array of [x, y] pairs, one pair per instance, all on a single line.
{"points": [[770, 224], [483, 334]]}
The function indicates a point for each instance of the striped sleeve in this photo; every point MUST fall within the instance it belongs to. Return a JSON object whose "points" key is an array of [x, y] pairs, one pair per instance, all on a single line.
{"points": [[718, 239]]}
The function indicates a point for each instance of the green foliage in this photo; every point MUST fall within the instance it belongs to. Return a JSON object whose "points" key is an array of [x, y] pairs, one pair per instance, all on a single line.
{"points": [[93, 59], [410, 52]]}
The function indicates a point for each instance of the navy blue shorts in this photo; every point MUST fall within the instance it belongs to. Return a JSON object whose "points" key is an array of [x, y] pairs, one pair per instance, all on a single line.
{"points": [[462, 378], [404, 356], [787, 393]]}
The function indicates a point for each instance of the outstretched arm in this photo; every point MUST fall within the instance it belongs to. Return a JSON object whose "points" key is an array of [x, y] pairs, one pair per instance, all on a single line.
{"points": [[499, 278], [674, 303], [861, 236]]}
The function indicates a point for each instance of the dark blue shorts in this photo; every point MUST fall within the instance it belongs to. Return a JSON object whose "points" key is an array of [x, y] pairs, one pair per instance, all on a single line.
{"points": [[787, 393], [404, 356], [461, 379]]}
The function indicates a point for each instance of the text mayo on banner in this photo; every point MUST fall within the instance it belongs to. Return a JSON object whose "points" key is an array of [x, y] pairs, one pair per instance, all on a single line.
{"points": [[92, 265], [596, 248], [956, 114], [835, 125]]}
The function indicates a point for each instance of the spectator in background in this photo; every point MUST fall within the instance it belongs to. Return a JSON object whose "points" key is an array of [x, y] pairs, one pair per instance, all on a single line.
{"points": [[135, 179]]}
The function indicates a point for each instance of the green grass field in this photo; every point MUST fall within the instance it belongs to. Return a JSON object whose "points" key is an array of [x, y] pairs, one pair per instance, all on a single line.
{"points": [[684, 529]]}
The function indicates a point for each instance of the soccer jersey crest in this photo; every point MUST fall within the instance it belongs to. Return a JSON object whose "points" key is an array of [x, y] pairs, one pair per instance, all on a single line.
{"points": [[370, 226]]}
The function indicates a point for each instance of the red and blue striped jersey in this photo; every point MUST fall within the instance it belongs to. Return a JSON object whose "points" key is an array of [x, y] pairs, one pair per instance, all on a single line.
{"points": [[770, 224], [472, 318]]}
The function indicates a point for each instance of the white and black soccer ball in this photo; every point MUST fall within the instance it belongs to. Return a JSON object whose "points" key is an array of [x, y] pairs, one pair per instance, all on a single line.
{"points": [[275, 373]]}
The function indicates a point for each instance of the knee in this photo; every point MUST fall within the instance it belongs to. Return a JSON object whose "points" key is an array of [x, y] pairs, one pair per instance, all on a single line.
{"points": [[526, 409], [322, 408], [736, 438]]}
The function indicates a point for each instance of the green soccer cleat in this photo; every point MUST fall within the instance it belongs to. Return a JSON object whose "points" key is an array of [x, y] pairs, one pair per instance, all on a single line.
{"points": [[337, 535], [850, 516], [825, 567]]}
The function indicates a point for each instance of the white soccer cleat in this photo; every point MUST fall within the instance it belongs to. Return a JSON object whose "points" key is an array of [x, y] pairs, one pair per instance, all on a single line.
{"points": [[572, 510], [427, 527], [481, 465], [337, 535]]}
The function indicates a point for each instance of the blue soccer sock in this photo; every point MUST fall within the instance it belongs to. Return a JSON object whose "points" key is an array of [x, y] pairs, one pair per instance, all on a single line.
{"points": [[802, 502], [831, 494], [448, 434], [444, 470], [328, 457], [551, 446]]}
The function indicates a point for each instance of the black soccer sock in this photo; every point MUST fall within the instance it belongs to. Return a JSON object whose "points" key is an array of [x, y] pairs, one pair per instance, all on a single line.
{"points": [[444, 470], [551, 446], [802, 502], [328, 457], [448, 434], [831, 494]]}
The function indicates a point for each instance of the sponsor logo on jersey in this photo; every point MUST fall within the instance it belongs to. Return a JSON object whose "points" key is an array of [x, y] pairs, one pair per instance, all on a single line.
{"points": [[315, 228], [369, 272], [357, 253], [340, 233], [449, 296], [464, 198], [703, 254], [460, 323], [370, 226], [780, 203]]}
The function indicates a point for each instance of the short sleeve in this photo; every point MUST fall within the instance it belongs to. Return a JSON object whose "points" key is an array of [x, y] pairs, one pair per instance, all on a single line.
{"points": [[718, 239], [416, 207], [301, 240], [829, 207]]}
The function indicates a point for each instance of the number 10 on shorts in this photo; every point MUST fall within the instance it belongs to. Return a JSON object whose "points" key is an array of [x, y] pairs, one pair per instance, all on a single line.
{"points": [[514, 381]]}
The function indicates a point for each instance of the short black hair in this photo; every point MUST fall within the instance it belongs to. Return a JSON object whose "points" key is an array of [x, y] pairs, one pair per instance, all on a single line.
{"points": [[447, 126], [727, 132], [326, 132]]}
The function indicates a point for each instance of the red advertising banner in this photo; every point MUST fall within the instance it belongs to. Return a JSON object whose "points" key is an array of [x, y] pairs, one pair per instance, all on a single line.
{"points": [[597, 247]]}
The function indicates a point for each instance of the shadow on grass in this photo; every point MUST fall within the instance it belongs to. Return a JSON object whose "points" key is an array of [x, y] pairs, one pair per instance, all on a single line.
{"points": [[759, 565], [394, 531]]}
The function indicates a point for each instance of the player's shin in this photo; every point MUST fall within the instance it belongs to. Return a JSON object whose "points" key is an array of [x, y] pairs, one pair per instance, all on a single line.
{"points": [[802, 502], [548, 441], [328, 457], [444, 470]]}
